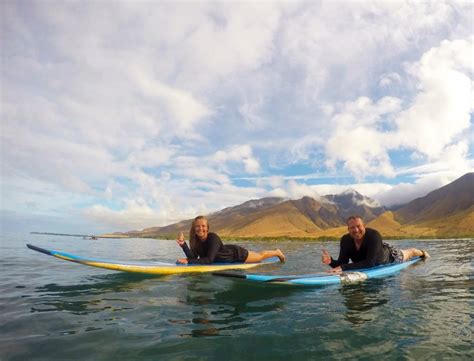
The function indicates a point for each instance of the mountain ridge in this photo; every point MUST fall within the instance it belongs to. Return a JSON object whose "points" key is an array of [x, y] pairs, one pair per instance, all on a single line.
{"points": [[446, 211]]}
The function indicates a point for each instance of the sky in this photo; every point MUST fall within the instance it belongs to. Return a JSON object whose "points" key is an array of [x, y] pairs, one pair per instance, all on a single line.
{"points": [[123, 115]]}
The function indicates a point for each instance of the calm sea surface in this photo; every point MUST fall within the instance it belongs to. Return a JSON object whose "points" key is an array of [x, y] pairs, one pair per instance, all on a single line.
{"points": [[56, 310]]}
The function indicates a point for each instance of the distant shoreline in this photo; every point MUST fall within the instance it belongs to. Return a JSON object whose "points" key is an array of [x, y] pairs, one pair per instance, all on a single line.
{"points": [[256, 238], [305, 239], [89, 236]]}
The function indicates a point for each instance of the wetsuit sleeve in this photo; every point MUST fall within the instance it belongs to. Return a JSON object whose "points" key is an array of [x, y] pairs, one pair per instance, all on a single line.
{"points": [[374, 245], [343, 254], [187, 251], [213, 247]]}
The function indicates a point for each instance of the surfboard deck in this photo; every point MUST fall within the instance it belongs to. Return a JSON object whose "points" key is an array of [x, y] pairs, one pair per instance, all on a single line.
{"points": [[324, 279], [149, 267]]}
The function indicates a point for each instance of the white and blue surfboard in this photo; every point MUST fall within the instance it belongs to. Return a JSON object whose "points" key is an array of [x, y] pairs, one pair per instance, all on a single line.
{"points": [[324, 279]]}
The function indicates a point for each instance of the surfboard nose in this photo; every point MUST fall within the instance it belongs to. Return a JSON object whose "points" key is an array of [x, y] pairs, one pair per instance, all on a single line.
{"points": [[38, 249]]}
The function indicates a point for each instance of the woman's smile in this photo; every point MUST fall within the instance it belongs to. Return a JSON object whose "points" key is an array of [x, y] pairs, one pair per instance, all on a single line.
{"points": [[201, 229]]}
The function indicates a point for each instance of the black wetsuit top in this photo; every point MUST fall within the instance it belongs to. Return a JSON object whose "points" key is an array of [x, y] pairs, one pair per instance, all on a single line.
{"points": [[213, 250], [372, 252]]}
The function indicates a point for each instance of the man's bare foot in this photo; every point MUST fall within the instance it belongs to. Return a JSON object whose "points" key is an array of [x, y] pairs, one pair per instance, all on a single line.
{"points": [[425, 254], [280, 255]]}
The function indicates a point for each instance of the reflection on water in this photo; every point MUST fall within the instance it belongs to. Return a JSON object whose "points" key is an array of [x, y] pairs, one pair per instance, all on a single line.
{"points": [[361, 299], [77, 298], [227, 306]]}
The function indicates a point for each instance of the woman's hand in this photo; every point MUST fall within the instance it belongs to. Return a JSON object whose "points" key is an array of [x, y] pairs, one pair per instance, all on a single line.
{"points": [[180, 239], [182, 261], [326, 257]]}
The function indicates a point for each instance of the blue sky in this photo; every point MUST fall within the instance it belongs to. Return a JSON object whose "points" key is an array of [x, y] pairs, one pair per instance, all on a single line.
{"points": [[120, 115]]}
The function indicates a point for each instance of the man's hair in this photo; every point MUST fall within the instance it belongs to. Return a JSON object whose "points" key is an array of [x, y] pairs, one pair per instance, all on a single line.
{"points": [[351, 218]]}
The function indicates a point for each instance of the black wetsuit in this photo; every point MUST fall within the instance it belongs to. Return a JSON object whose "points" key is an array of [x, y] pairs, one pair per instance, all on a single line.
{"points": [[213, 250], [372, 252]]}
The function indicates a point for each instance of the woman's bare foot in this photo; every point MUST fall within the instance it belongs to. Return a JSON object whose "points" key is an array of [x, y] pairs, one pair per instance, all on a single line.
{"points": [[280, 255]]}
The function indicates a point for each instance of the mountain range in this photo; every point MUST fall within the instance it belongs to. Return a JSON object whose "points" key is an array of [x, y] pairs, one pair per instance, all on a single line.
{"points": [[443, 213]]}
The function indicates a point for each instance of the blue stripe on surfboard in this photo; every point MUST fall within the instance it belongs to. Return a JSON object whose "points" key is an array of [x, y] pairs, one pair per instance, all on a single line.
{"points": [[319, 279], [388, 269]]}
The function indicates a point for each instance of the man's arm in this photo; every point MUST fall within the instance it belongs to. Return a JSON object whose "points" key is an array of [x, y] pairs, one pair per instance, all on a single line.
{"points": [[343, 254]]}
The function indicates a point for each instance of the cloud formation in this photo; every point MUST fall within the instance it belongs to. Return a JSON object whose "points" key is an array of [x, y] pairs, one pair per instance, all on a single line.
{"points": [[144, 113], [433, 124]]}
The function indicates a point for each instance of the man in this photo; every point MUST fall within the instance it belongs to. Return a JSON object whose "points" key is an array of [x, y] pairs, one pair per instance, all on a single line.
{"points": [[365, 248]]}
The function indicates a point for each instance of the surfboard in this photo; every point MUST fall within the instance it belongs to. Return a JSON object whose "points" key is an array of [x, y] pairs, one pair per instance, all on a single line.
{"points": [[324, 279], [150, 267]]}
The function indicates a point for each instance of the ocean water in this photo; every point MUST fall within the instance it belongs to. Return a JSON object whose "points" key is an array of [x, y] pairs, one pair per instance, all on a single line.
{"points": [[56, 310]]}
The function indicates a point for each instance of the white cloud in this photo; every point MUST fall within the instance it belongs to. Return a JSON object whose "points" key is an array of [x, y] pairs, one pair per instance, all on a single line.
{"points": [[239, 154], [439, 115], [181, 107], [250, 113], [359, 140], [133, 217], [339, 48], [151, 157], [297, 191], [389, 79], [70, 165], [292, 189], [403, 193], [441, 110], [156, 204], [239, 37]]}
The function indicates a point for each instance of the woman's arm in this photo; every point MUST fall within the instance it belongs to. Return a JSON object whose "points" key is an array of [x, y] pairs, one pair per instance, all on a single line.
{"points": [[187, 251], [182, 243], [214, 244]]}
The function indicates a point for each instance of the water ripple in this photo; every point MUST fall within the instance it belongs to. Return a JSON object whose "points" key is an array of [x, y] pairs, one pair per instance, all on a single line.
{"points": [[63, 309]]}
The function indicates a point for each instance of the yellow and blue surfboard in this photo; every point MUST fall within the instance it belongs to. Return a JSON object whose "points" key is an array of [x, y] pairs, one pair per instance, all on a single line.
{"points": [[149, 267]]}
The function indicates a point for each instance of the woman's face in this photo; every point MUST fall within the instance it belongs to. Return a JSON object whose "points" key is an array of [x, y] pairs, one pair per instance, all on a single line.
{"points": [[201, 229]]}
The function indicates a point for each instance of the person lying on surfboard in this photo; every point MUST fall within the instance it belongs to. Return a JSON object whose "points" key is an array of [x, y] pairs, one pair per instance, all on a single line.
{"points": [[207, 248], [364, 246]]}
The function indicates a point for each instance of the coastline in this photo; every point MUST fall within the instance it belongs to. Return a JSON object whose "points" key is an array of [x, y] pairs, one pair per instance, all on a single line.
{"points": [[305, 239]]}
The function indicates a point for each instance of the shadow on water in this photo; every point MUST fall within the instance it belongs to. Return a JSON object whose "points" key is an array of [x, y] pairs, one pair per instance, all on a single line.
{"points": [[221, 306], [76, 298], [99, 284]]}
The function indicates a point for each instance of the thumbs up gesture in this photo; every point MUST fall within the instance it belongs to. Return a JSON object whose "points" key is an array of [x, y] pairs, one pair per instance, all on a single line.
{"points": [[326, 257], [180, 239]]}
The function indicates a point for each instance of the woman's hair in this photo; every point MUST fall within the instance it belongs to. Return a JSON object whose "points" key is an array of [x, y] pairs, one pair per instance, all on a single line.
{"points": [[196, 245]]}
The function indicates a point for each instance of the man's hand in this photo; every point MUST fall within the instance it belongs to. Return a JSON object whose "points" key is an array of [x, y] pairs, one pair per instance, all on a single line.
{"points": [[326, 257], [336, 270]]}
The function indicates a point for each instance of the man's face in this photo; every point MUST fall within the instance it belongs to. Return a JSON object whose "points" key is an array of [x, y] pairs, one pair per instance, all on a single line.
{"points": [[356, 229]]}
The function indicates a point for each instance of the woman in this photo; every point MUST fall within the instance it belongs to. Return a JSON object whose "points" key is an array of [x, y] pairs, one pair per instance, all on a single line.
{"points": [[207, 247]]}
